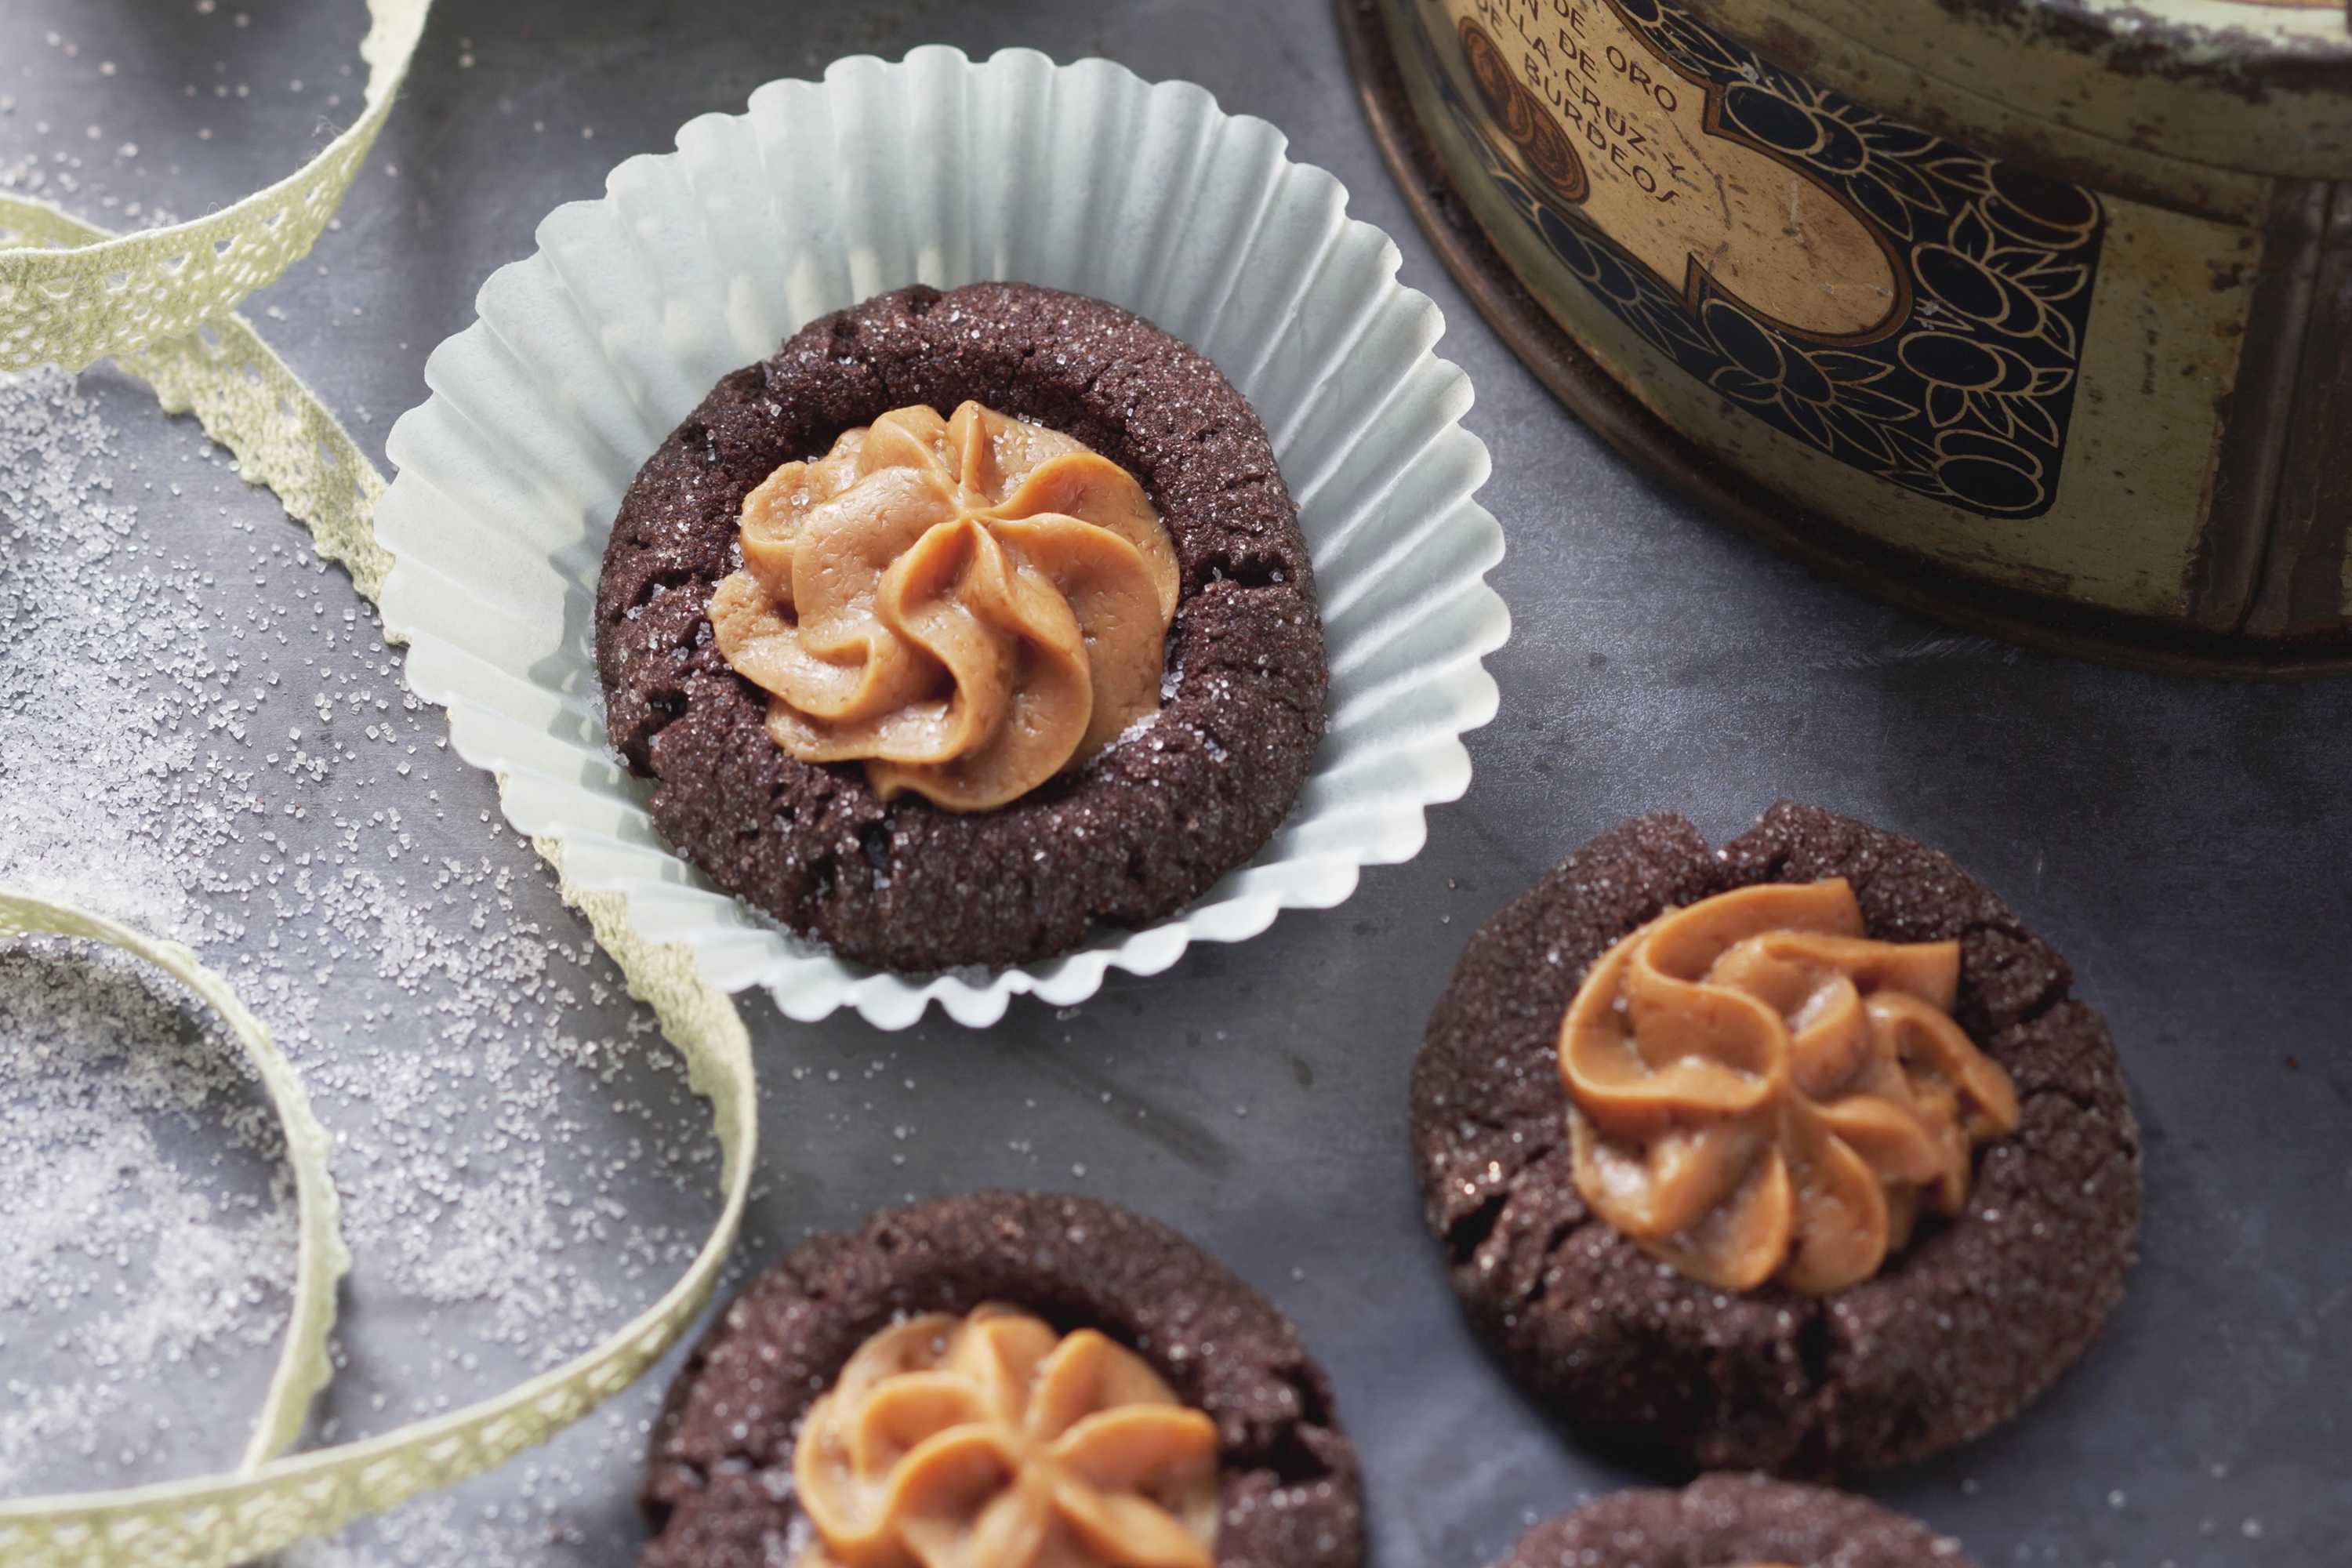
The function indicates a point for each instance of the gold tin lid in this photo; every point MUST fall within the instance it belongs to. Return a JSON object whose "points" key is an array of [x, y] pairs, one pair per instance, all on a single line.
{"points": [[2241, 85]]}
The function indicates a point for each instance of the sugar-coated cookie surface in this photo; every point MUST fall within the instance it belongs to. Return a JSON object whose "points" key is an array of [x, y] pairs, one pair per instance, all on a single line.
{"points": [[1139, 831], [1732, 1521]]}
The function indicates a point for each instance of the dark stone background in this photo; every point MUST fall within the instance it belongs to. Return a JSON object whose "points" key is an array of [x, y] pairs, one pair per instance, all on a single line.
{"points": [[2182, 842]]}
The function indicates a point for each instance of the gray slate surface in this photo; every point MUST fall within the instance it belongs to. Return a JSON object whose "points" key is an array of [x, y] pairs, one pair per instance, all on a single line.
{"points": [[2183, 842]]}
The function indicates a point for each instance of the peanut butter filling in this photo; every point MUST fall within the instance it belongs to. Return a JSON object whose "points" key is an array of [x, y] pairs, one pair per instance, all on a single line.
{"points": [[993, 1441], [1758, 1091], [967, 605]]}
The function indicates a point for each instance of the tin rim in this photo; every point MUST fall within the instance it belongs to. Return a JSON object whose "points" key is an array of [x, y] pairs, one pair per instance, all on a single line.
{"points": [[1722, 491]]}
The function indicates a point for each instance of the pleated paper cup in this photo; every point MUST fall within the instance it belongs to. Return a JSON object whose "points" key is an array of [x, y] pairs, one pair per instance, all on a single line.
{"points": [[944, 171]]}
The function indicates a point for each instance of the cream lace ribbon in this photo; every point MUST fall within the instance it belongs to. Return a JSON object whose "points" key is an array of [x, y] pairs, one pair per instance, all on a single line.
{"points": [[269, 1502], [247, 399], [112, 294]]}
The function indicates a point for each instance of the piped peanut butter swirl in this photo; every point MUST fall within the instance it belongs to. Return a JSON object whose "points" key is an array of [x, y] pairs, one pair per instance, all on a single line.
{"points": [[968, 605], [1758, 1091], [993, 1441]]}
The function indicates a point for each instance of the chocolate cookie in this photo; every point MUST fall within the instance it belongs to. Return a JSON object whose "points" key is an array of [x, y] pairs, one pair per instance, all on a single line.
{"points": [[1960, 1329], [719, 1486], [1731, 1521], [1136, 833]]}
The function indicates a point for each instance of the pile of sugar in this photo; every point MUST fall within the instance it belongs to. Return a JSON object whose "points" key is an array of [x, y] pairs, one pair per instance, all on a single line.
{"points": [[200, 727], [119, 1262]]}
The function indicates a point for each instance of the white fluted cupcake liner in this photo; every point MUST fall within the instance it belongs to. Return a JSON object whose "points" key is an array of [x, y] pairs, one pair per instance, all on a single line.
{"points": [[944, 171]]}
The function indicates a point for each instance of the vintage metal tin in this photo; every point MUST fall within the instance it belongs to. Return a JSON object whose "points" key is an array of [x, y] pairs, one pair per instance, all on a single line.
{"points": [[2036, 314]]}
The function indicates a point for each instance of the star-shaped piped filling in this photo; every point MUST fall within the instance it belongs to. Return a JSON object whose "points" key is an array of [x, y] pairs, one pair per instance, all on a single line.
{"points": [[1757, 1090], [968, 605], [993, 1441]]}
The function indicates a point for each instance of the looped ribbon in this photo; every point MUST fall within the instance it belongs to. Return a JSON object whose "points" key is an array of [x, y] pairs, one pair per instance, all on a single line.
{"points": [[271, 1499], [141, 298], [320, 1259]]}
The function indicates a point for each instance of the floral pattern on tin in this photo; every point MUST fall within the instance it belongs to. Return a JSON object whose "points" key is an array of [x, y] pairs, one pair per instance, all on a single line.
{"points": [[1967, 398]]}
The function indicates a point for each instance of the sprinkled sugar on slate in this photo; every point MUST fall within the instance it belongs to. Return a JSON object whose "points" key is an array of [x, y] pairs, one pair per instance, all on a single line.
{"points": [[198, 723]]}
